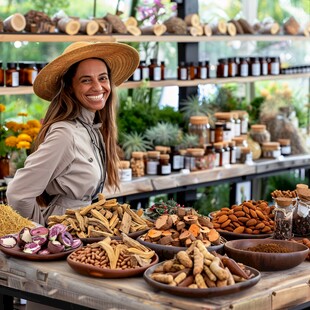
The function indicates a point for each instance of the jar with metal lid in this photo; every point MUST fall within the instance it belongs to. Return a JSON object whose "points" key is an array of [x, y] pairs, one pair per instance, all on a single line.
{"points": [[285, 145], [271, 150], [11, 75], [246, 155], [164, 167], [301, 214], [226, 118], [254, 66], [1, 75], [137, 164], [210, 156], [240, 142], [152, 162], [259, 133], [244, 121], [222, 68], [124, 171], [232, 155], [283, 218], [219, 150], [243, 67], [199, 126], [226, 154]]}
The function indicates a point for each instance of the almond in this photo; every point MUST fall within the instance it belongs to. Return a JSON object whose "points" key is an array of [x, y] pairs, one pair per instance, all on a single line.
{"points": [[246, 209], [239, 213], [251, 222], [233, 217], [260, 225], [226, 223], [260, 214], [223, 218], [253, 213], [239, 230], [243, 219], [248, 230]]}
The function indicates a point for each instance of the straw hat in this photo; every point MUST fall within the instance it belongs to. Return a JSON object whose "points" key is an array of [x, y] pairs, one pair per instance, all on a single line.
{"points": [[121, 59]]}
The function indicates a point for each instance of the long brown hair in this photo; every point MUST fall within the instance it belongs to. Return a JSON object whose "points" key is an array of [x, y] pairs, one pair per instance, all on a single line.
{"points": [[65, 107]]}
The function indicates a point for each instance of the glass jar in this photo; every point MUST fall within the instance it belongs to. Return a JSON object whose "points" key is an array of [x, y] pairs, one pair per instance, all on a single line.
{"points": [[237, 125], [164, 167], [243, 67], [219, 150], [177, 159], [246, 155], [182, 71], [232, 67], [226, 154], [30, 72], [254, 66], [227, 119], [163, 70], [263, 65], [137, 164], [232, 155], [271, 150], [199, 126], [210, 156], [202, 70], [191, 71], [283, 218], [145, 71], [137, 75], [11, 75], [218, 132], [152, 162], [154, 70], [285, 145], [240, 142], [125, 172], [189, 160], [222, 68], [198, 159], [274, 66], [259, 133], [244, 121], [301, 214]]}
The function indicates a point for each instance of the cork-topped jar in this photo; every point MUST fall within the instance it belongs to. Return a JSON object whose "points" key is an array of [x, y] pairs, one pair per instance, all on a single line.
{"points": [[152, 162], [259, 133], [199, 126], [137, 164], [271, 150], [301, 214], [285, 145], [125, 172]]}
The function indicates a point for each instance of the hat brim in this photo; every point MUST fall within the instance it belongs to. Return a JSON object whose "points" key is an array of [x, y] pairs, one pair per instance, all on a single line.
{"points": [[121, 59]]}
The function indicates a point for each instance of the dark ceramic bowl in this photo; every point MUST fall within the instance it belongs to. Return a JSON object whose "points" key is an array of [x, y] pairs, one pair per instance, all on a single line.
{"points": [[237, 249], [166, 252]]}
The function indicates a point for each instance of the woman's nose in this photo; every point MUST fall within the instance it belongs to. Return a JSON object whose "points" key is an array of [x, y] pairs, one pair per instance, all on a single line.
{"points": [[97, 85]]}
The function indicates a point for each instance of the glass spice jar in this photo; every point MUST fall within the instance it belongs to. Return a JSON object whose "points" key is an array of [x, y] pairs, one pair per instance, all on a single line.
{"points": [[198, 159], [189, 160], [154, 70], [244, 121], [246, 155], [243, 67], [182, 71], [259, 133], [232, 67], [210, 156], [226, 154], [283, 218], [125, 172], [219, 150], [222, 68], [271, 150], [137, 164], [240, 142], [199, 126], [202, 70], [152, 162], [285, 145], [30, 73], [164, 167], [227, 119], [301, 214], [177, 158], [11, 75], [232, 155], [254, 66]]}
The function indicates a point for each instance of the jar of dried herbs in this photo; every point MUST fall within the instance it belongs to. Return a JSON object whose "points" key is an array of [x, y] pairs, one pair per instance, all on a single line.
{"points": [[301, 215]]}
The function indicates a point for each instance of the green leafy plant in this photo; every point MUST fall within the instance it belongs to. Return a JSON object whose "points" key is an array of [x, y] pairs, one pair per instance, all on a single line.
{"points": [[162, 207], [189, 140], [193, 106], [134, 142]]}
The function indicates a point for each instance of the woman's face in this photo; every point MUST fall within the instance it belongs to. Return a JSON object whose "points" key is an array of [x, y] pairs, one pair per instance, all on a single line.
{"points": [[91, 84]]}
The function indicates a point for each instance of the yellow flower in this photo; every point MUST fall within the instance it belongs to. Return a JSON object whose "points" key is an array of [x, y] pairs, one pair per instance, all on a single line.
{"points": [[23, 145], [2, 107], [22, 114], [264, 93], [24, 138], [34, 123], [11, 141]]}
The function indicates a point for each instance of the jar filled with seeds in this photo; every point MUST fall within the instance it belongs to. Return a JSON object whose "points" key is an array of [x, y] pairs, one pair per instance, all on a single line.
{"points": [[259, 133], [283, 218], [301, 215]]}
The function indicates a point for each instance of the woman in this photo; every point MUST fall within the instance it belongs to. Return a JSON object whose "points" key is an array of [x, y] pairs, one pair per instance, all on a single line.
{"points": [[76, 149]]}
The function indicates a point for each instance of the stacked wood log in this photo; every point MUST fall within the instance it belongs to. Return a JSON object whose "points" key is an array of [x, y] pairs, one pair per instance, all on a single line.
{"points": [[157, 29], [193, 24], [38, 22], [267, 27], [117, 24], [291, 26], [14, 23], [132, 26], [88, 26], [238, 26], [176, 25], [207, 30], [219, 27], [246, 26]]}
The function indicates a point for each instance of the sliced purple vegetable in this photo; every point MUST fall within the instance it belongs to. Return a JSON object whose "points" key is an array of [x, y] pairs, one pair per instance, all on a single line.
{"points": [[65, 238], [44, 252], [8, 241], [76, 243], [55, 247], [39, 240], [31, 248], [55, 230], [40, 231], [24, 236]]}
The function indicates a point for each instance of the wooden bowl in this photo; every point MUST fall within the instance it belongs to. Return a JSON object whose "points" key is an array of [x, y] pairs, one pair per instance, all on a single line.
{"points": [[166, 252], [237, 249]]}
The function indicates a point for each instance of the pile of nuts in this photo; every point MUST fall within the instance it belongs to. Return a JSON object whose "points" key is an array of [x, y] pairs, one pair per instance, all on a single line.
{"points": [[250, 217]]}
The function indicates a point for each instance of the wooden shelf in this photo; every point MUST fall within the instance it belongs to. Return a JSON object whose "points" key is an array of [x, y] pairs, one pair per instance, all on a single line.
{"points": [[24, 90], [57, 37]]}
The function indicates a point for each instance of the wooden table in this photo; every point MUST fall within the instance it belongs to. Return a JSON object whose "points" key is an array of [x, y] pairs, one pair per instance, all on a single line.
{"points": [[41, 281]]}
